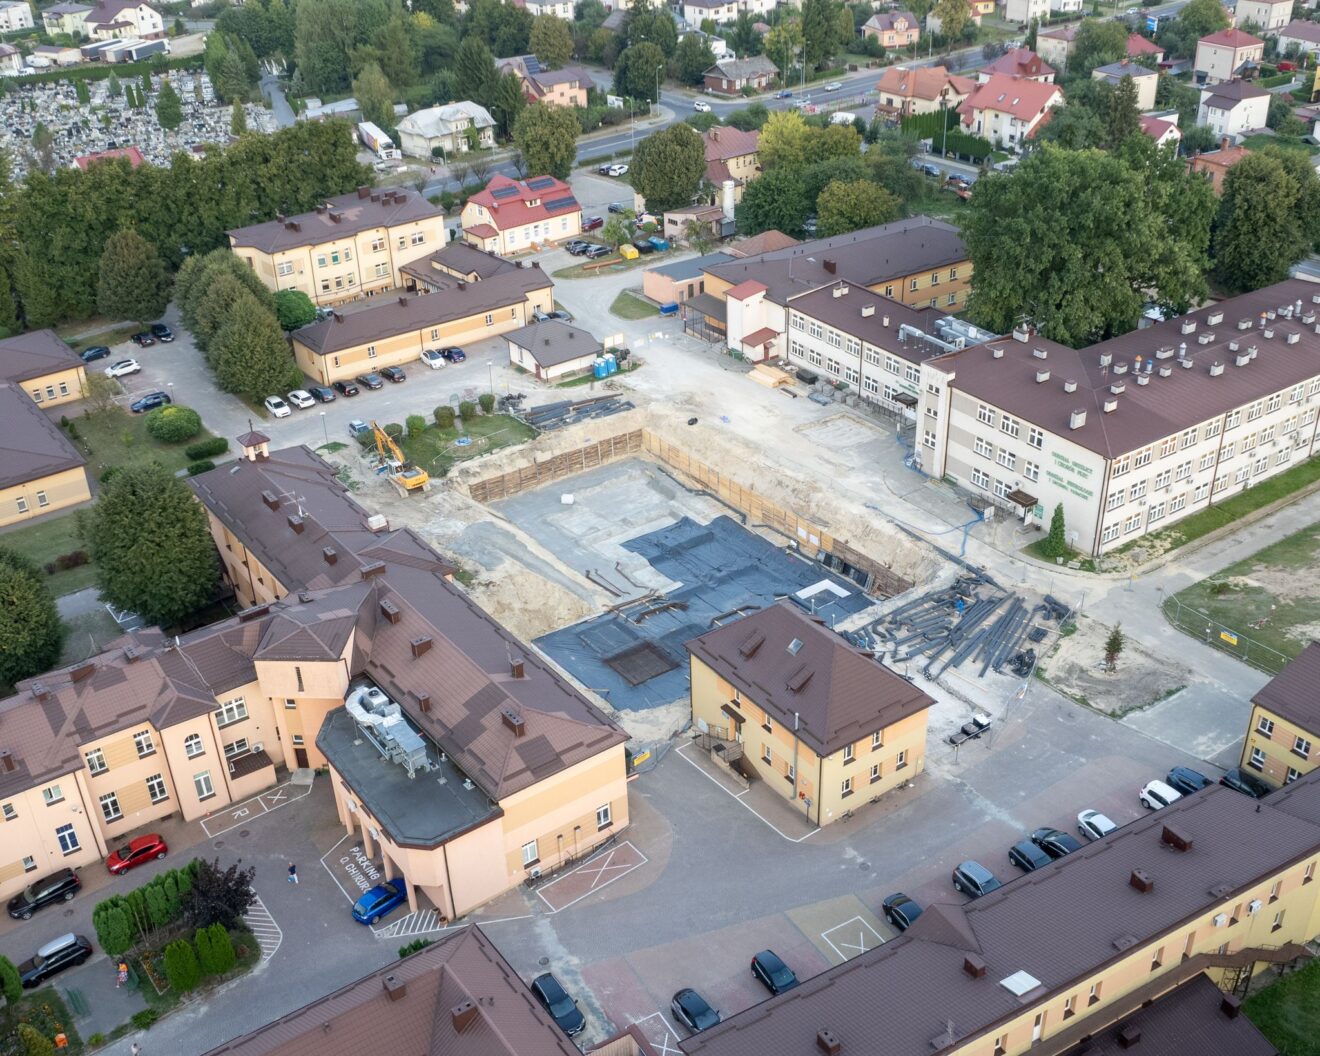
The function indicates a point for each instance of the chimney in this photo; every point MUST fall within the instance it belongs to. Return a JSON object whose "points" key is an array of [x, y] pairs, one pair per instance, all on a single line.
{"points": [[1176, 838], [338, 316], [336, 216], [394, 987], [389, 610], [330, 554], [1070, 385], [462, 284], [1231, 1005], [375, 197], [40, 690], [868, 310], [1223, 142], [424, 702], [271, 500], [830, 266], [254, 613], [82, 672], [403, 300], [1128, 1035], [7, 764], [1142, 881], [974, 966], [462, 1015], [827, 1042], [364, 191], [420, 646], [132, 654], [279, 218], [1077, 419], [296, 523], [1042, 375], [516, 668], [295, 225], [373, 568], [513, 720]]}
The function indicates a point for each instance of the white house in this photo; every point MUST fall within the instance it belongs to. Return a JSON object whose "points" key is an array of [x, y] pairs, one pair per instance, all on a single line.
{"points": [[1023, 11], [1222, 56], [718, 11], [1266, 14], [122, 19], [15, 15], [445, 128], [1306, 35], [1233, 108], [1008, 110], [1143, 79]]}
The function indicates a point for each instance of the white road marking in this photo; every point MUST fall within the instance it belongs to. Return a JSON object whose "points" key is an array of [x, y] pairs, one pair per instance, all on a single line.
{"points": [[598, 864], [738, 798], [661, 1044], [250, 810], [268, 934], [853, 939]]}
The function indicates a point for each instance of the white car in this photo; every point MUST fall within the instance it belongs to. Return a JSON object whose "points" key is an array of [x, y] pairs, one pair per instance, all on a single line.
{"points": [[1157, 794], [278, 407], [301, 398], [433, 358], [834, 86], [617, 170], [701, 106], [1092, 824], [123, 367]]}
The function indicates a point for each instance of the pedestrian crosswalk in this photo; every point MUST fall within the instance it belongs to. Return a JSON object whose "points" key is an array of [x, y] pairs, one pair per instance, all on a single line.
{"points": [[418, 923], [268, 934]]}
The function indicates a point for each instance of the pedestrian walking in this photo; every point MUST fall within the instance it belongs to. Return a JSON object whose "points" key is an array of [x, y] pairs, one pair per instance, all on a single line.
{"points": [[136, 1050], [293, 873], [122, 976]]}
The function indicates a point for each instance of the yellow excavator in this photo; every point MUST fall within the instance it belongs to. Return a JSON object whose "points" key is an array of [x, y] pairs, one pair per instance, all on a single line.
{"points": [[406, 477]]}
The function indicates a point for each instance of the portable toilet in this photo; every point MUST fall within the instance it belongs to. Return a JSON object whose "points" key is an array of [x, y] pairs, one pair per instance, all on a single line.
{"points": [[598, 367], [611, 364]]}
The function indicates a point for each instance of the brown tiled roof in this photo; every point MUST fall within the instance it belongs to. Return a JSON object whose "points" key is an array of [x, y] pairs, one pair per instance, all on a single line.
{"points": [[134, 156], [554, 342], [31, 445], [1308, 31], [743, 69], [1294, 693], [356, 211], [458, 260], [838, 694], [1223, 158], [765, 242], [725, 142], [1021, 98], [880, 328], [1227, 94], [1019, 62], [746, 288], [1145, 413], [1059, 924], [34, 355], [1139, 45], [921, 82], [422, 1017], [886, 19], [1231, 38]]}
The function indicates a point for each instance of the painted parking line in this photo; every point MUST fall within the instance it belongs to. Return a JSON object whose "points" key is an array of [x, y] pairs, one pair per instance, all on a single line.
{"points": [[268, 933], [851, 938], [738, 798], [658, 1031], [258, 806], [599, 871], [419, 923]]}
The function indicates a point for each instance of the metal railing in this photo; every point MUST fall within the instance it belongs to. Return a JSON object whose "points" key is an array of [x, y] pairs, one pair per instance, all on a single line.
{"points": [[1203, 626]]}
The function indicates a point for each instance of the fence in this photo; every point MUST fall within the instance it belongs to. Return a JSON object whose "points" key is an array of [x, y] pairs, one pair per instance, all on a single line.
{"points": [[1200, 624]]}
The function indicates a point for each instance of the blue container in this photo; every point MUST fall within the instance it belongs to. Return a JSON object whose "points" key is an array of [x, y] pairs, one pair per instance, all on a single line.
{"points": [[598, 368]]}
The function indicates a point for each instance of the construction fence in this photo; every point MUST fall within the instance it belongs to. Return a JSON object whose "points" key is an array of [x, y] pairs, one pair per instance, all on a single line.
{"points": [[1202, 625]]}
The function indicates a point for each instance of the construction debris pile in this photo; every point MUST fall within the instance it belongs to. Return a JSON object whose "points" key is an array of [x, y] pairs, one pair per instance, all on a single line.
{"points": [[570, 412]]}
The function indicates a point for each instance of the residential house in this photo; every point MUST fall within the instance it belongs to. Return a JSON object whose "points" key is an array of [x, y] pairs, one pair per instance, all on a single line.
{"points": [[349, 247], [43, 366], [454, 128], [516, 216], [563, 87], [920, 90], [731, 76], [1137, 46], [1163, 130], [893, 29], [1216, 163], [1283, 733], [676, 282], [1054, 44], [819, 721], [718, 11], [40, 469], [1023, 12], [553, 350], [57, 54], [1265, 15], [559, 8], [757, 7], [679, 224], [122, 19], [1233, 108], [1065, 7], [69, 18], [766, 242], [15, 15], [731, 154], [1018, 62], [1008, 110], [1134, 433], [1306, 35], [11, 60], [1226, 55], [130, 154], [1144, 80]]}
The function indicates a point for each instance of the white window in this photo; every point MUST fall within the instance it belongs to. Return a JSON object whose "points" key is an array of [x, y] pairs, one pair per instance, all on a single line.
{"points": [[1257, 760], [417, 238], [604, 816], [1122, 465], [1110, 532], [846, 787], [1200, 492], [1132, 524], [1036, 437], [68, 839], [1177, 503], [1142, 458], [1183, 471], [1253, 412], [1031, 470], [144, 744], [42, 500], [284, 268], [231, 712], [1168, 447], [1265, 726], [1116, 499], [22, 505], [985, 414], [1138, 489], [984, 448], [96, 762], [192, 746], [980, 478], [848, 753], [29, 863], [377, 244], [156, 788], [1207, 460], [1188, 437], [320, 260], [202, 783], [110, 807], [900, 760], [877, 740], [1162, 478], [1233, 420], [1212, 428], [238, 747], [1155, 513], [371, 351], [1302, 747], [1001, 488], [1008, 425], [382, 271], [1006, 458], [1293, 775], [928, 438], [52, 795], [529, 853]]}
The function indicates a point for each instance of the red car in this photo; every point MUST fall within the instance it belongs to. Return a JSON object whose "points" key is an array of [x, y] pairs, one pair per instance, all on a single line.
{"points": [[135, 852], [592, 222]]}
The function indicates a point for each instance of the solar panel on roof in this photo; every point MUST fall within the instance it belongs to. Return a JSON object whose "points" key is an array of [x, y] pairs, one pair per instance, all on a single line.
{"points": [[541, 183], [561, 203], [503, 192]]}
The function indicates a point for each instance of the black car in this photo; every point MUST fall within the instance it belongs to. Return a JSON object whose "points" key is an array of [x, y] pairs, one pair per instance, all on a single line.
{"points": [[1055, 843], [161, 332], [92, 353], [577, 246], [322, 393], [55, 956], [1186, 780], [901, 911], [643, 247], [596, 251], [617, 207], [774, 974], [370, 379], [973, 878], [346, 388], [58, 887], [1027, 856], [692, 1010], [1240, 781], [394, 374], [149, 402], [557, 1002], [142, 339]]}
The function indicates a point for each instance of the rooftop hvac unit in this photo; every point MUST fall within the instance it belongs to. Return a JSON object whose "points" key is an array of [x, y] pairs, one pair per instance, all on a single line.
{"points": [[467, 784], [1214, 318]]}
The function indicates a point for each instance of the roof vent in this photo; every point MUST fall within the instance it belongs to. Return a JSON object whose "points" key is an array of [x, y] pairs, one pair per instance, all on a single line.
{"points": [[304, 596], [82, 672], [1241, 359], [1220, 891], [1077, 419], [1042, 375], [394, 987], [998, 353], [403, 300], [1021, 333], [1125, 942], [462, 1015], [296, 523], [372, 568], [1293, 338], [1246, 324], [1117, 388], [513, 721], [1143, 379], [132, 654], [517, 668], [271, 500], [329, 554], [424, 702], [377, 523], [1070, 385], [420, 646], [254, 613], [748, 646], [974, 966], [1216, 369], [1186, 364], [7, 764], [1040, 353], [1188, 326], [1120, 368], [828, 1043], [40, 690], [1233, 346], [868, 310], [1269, 332], [830, 266], [1128, 1035], [798, 679], [1165, 371], [1231, 1005], [336, 216], [1205, 338], [1142, 881], [840, 291], [1110, 405], [1164, 353], [1214, 318], [1106, 358], [1176, 838], [390, 611]]}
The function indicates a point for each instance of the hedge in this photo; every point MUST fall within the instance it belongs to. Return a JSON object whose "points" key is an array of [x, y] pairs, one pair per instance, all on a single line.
{"points": [[125, 71], [928, 126], [1276, 80], [217, 445], [963, 145], [121, 920], [202, 465]]}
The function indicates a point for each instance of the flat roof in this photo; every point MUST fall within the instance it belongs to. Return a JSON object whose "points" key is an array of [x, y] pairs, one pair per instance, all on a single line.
{"points": [[682, 270]]}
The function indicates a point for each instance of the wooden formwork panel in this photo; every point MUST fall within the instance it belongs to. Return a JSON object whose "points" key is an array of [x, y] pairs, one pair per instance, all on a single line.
{"points": [[565, 464]]}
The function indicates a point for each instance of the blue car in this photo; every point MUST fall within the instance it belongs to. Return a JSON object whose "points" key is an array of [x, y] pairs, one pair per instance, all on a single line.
{"points": [[378, 902]]}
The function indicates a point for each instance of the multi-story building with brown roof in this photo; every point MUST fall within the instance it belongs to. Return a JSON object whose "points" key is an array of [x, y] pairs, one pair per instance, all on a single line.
{"points": [[44, 367], [1134, 433], [1008, 111], [821, 722], [920, 90], [1226, 55], [1283, 734], [352, 246], [731, 154]]}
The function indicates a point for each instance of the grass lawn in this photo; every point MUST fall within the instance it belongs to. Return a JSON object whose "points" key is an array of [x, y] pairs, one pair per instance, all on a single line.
{"points": [[435, 451], [630, 306], [117, 438], [46, 540], [96, 332], [585, 271], [1037, 550], [1288, 1012], [1286, 142]]}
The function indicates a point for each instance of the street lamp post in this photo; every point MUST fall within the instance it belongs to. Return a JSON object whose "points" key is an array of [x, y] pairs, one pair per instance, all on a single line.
{"points": [[658, 70], [324, 429]]}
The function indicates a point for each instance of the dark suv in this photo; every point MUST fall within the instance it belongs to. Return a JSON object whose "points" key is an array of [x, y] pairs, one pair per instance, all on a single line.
{"points": [[55, 956], [1240, 781], [773, 973], [1186, 780], [1055, 843], [973, 878], [58, 887]]}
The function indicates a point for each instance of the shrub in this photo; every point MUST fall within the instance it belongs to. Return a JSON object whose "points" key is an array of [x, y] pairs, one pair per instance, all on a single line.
{"points": [[72, 429], [219, 957], [34, 1042], [414, 946], [73, 559], [142, 1020], [202, 465], [181, 967], [467, 410], [487, 401], [107, 474], [174, 424], [416, 424], [444, 416], [96, 1040], [216, 445], [393, 430]]}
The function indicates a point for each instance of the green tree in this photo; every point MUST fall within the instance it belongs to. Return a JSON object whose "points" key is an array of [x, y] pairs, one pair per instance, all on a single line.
{"points": [[785, 141], [1306, 213], [212, 307], [1055, 544], [618, 228], [1113, 647], [750, 119], [1256, 238], [114, 931], [744, 38], [293, 309], [181, 967], [11, 986], [219, 896], [82, 92], [153, 552], [112, 87], [776, 200], [1099, 42], [474, 71], [173, 424], [327, 34], [636, 69], [41, 302], [820, 30], [551, 41], [844, 207], [31, 633], [34, 1042], [132, 282], [692, 58], [953, 15], [668, 167], [652, 25], [783, 44], [215, 949], [546, 136], [237, 121], [169, 108], [251, 353], [8, 306], [375, 96], [1122, 117], [507, 102], [157, 908], [1203, 17]]}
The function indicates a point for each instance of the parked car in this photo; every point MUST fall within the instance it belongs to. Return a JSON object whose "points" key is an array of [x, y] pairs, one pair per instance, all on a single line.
{"points": [[774, 974], [322, 393], [346, 388], [973, 878], [301, 399], [393, 374], [658, 242], [1240, 780], [1055, 842], [143, 339], [1027, 856], [278, 407], [701, 106], [834, 86], [357, 427], [135, 852], [643, 246], [932, 170], [592, 223], [60, 886], [901, 911], [1186, 780], [1157, 794], [617, 169], [596, 251], [454, 354], [615, 207], [1092, 824], [561, 1007], [161, 332], [576, 246], [604, 170], [370, 379], [379, 901], [55, 956], [122, 368], [92, 353], [784, 93], [809, 226], [149, 402], [434, 358], [692, 1010]]}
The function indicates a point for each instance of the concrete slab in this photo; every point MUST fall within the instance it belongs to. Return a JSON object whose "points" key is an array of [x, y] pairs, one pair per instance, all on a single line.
{"points": [[840, 928], [93, 988]]}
